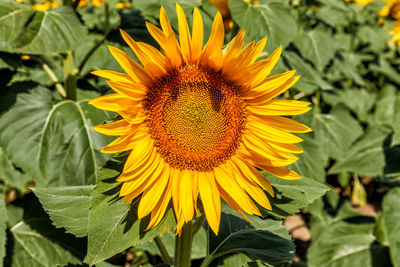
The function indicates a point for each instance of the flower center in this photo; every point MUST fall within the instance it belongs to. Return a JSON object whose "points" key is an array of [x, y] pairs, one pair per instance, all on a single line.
{"points": [[195, 117]]}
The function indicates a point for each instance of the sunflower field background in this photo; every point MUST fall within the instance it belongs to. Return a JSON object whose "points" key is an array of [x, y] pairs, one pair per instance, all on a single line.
{"points": [[60, 204]]}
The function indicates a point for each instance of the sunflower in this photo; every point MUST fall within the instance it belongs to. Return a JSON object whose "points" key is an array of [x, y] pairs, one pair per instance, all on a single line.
{"points": [[95, 3], [48, 4], [391, 9], [395, 31], [361, 2], [197, 122], [223, 8]]}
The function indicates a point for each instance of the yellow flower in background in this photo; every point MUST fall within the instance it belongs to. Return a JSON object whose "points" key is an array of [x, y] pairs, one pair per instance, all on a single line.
{"points": [[122, 5], [96, 3], [46, 5], [197, 122], [396, 33], [361, 2], [223, 8], [391, 10]]}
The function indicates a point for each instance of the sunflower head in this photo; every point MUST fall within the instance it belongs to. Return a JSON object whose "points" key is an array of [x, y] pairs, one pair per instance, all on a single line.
{"points": [[198, 123], [391, 9], [361, 2]]}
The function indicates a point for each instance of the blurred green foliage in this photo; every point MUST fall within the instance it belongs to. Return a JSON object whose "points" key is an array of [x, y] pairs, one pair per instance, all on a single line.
{"points": [[347, 200]]}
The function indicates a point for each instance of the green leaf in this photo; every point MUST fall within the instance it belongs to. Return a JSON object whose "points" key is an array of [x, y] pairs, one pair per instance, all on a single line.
{"points": [[67, 206], [238, 235], [359, 101], [3, 227], [369, 149], [54, 142], [25, 30], [34, 241], [342, 244], [391, 220], [311, 79], [258, 245], [11, 175], [34, 248], [387, 107], [311, 162], [274, 20], [290, 196], [113, 224], [317, 46], [336, 131]]}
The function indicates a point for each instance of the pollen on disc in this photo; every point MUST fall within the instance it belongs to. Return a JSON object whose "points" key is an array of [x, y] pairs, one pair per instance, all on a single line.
{"points": [[196, 118]]}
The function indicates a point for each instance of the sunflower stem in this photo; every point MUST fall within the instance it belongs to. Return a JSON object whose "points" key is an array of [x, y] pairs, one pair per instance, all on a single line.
{"points": [[198, 224], [70, 73], [164, 253], [183, 246]]}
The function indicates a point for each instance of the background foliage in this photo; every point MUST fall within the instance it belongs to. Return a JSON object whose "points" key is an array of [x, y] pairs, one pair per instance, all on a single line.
{"points": [[345, 207]]}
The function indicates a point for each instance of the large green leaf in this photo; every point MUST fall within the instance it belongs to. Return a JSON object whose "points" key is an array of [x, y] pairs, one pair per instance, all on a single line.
{"points": [[311, 162], [33, 248], [34, 241], [317, 46], [273, 19], [264, 240], [11, 175], [336, 131], [360, 101], [391, 220], [346, 245], [369, 149], [387, 107], [3, 213], [25, 30], [54, 142], [113, 224], [67, 206], [290, 196], [311, 79]]}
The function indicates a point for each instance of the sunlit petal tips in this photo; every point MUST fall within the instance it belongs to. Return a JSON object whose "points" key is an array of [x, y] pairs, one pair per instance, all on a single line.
{"points": [[198, 123]]}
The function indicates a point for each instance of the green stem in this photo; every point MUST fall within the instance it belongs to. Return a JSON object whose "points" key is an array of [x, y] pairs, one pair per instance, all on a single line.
{"points": [[107, 30], [70, 75], [164, 253], [54, 79], [183, 246], [90, 53], [198, 224]]}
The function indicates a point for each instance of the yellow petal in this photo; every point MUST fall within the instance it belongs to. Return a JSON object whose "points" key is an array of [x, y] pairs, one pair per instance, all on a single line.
{"points": [[136, 92], [120, 127], [281, 108], [113, 75], [157, 34], [225, 179], [250, 187], [212, 53], [263, 98], [124, 142], [253, 174], [184, 35], [186, 195], [134, 70], [158, 212], [152, 60], [285, 124], [282, 172], [197, 36], [263, 131], [113, 102], [210, 198], [152, 195]]}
